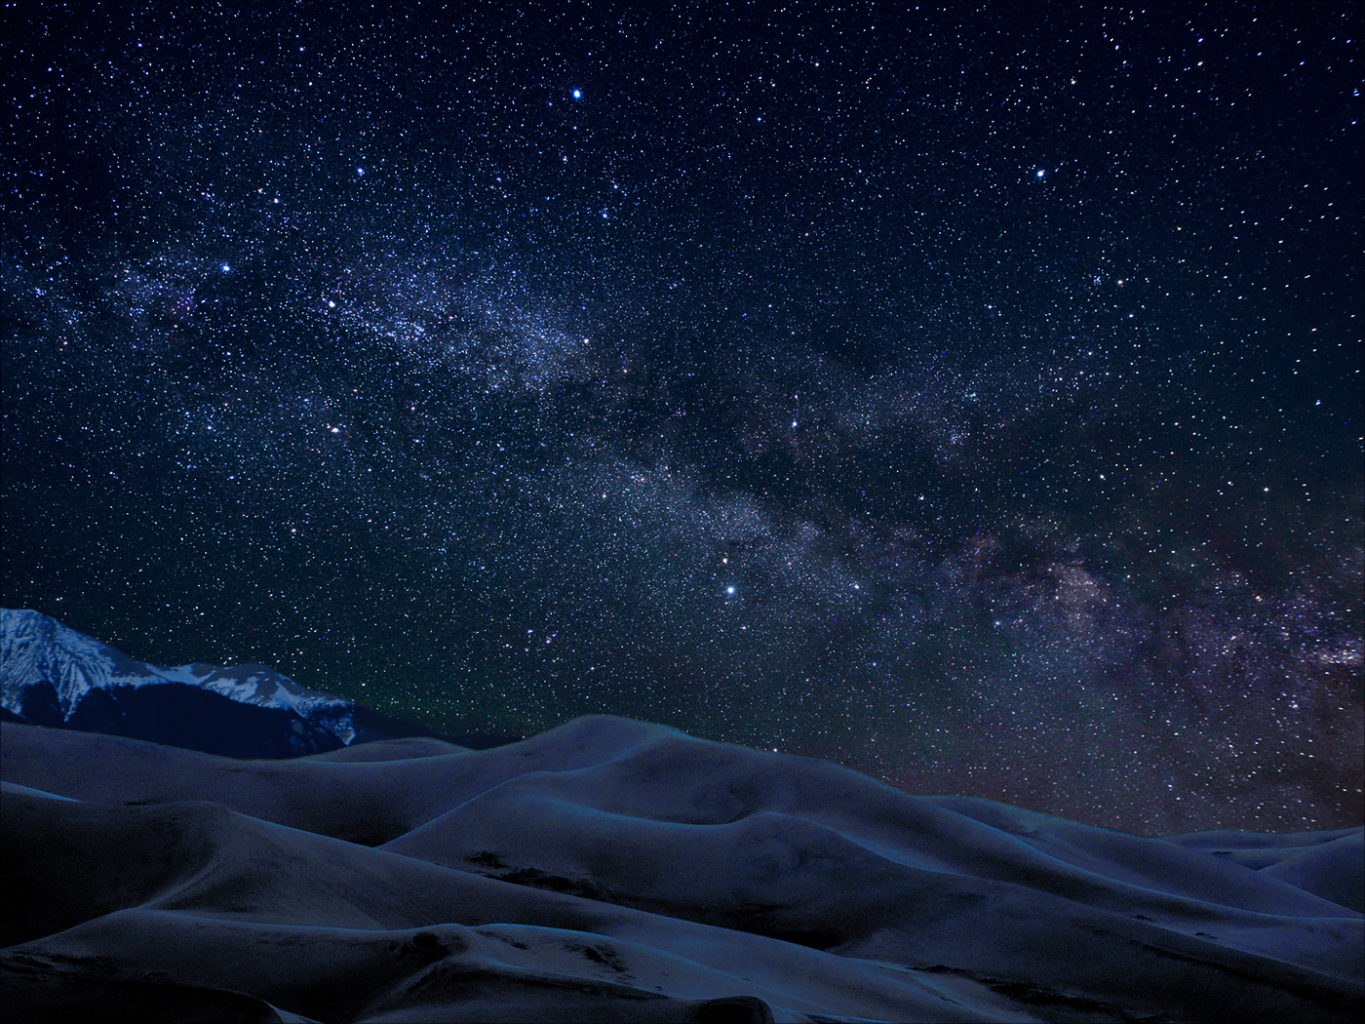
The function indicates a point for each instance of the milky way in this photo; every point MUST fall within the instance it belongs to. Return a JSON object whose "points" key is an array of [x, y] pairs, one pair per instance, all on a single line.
{"points": [[971, 398]]}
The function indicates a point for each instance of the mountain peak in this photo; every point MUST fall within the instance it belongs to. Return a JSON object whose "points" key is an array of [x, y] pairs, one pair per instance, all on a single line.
{"points": [[37, 649], [55, 676]]}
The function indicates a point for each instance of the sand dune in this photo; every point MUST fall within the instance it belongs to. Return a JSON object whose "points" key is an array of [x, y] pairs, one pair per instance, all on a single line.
{"points": [[614, 870]]}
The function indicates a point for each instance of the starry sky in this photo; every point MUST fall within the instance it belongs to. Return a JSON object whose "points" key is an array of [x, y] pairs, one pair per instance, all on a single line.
{"points": [[969, 396]]}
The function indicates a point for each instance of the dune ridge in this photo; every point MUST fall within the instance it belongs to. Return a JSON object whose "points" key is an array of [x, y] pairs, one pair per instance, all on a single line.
{"points": [[616, 870]]}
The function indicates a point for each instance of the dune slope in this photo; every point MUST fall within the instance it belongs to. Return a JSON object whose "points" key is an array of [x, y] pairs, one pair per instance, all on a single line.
{"points": [[615, 870]]}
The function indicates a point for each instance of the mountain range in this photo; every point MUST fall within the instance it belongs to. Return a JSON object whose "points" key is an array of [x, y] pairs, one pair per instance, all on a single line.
{"points": [[54, 676]]}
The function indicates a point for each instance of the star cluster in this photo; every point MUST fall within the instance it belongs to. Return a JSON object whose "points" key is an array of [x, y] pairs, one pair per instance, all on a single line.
{"points": [[972, 397]]}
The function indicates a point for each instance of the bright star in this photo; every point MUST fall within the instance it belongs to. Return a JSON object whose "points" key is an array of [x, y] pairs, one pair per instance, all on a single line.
{"points": [[730, 590], [578, 94], [1040, 172], [227, 268]]}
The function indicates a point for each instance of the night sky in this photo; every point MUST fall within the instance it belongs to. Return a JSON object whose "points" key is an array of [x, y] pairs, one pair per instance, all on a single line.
{"points": [[972, 397]]}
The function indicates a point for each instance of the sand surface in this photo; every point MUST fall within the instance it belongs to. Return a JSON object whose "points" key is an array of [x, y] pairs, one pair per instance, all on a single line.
{"points": [[616, 870]]}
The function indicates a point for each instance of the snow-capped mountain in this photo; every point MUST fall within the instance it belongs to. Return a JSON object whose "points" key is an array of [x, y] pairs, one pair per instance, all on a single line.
{"points": [[54, 676], [38, 649]]}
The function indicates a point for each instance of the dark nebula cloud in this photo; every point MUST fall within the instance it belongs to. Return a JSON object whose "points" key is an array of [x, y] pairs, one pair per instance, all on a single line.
{"points": [[972, 397]]}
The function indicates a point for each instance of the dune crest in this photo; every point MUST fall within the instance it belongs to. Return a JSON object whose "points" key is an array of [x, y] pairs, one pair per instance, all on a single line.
{"points": [[616, 870]]}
